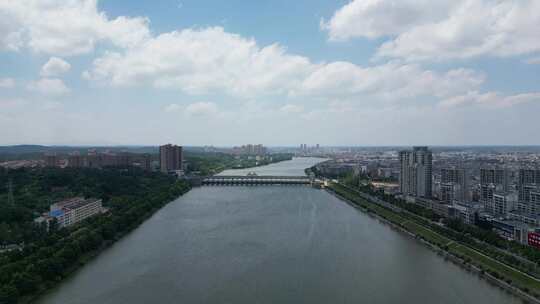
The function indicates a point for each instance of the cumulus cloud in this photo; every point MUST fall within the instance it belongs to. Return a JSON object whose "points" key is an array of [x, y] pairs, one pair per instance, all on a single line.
{"points": [[534, 60], [201, 109], [49, 86], [389, 81], [10, 33], [202, 60], [172, 108], [292, 108], [210, 60], [440, 30], [65, 27], [12, 103], [199, 61], [490, 99], [376, 18], [6, 83], [55, 67]]}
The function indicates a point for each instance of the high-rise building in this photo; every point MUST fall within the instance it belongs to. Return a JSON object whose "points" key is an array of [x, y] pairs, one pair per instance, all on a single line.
{"points": [[416, 172], [529, 191], [497, 176], [51, 160], [146, 162], [494, 186], [93, 160], [75, 160], [454, 185], [250, 149], [170, 158]]}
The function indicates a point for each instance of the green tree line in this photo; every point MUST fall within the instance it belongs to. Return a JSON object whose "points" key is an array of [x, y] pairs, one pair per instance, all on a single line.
{"points": [[48, 256], [491, 243]]}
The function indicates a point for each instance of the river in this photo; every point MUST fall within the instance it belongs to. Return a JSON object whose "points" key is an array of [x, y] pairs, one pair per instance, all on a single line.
{"points": [[270, 244], [295, 167]]}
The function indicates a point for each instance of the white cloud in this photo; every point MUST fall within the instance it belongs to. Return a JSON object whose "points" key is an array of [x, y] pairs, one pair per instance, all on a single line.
{"points": [[10, 32], [65, 28], [390, 81], [534, 60], [12, 103], [201, 109], [49, 86], [490, 99], [55, 67], [292, 108], [172, 108], [198, 61], [440, 30], [6, 83], [210, 60], [376, 18]]}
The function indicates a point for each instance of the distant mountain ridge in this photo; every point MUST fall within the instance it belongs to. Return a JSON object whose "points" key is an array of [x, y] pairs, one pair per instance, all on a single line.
{"points": [[30, 149]]}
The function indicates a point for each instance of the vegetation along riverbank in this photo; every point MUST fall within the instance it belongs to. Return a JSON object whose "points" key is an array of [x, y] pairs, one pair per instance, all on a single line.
{"points": [[43, 257], [514, 280]]}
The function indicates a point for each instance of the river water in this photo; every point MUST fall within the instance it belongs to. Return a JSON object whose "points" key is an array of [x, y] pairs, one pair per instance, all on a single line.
{"points": [[295, 167], [270, 244]]}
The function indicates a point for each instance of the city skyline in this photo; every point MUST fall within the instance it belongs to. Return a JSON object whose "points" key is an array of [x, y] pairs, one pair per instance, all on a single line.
{"points": [[349, 73]]}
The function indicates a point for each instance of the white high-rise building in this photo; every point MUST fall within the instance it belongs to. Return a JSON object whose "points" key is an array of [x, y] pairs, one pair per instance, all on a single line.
{"points": [[416, 172]]}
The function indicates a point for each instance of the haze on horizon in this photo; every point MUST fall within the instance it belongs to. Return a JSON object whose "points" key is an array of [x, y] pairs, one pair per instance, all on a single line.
{"points": [[281, 73]]}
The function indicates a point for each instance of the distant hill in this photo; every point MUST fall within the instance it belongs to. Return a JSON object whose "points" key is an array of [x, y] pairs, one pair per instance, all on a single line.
{"points": [[37, 151], [23, 149], [33, 151]]}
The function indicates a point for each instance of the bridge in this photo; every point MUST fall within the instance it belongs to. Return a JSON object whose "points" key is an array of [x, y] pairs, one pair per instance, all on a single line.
{"points": [[229, 180]]}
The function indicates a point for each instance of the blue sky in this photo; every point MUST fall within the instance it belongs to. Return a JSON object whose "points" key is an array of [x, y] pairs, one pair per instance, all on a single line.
{"points": [[362, 72]]}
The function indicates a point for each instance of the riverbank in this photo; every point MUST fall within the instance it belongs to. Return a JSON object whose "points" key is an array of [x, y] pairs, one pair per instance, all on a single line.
{"points": [[512, 280], [294, 167], [206, 164], [254, 165], [89, 256], [132, 196], [275, 245]]}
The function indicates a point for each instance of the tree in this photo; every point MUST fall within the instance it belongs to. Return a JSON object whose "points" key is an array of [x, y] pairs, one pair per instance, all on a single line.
{"points": [[25, 282], [8, 294]]}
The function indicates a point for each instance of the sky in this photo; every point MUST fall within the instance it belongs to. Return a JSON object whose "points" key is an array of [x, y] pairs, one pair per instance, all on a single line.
{"points": [[282, 72]]}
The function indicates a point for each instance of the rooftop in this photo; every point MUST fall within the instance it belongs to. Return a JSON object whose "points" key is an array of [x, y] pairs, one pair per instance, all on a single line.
{"points": [[73, 203]]}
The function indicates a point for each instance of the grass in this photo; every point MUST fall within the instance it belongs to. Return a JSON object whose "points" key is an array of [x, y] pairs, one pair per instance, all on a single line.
{"points": [[503, 271], [383, 212], [520, 279], [426, 233]]}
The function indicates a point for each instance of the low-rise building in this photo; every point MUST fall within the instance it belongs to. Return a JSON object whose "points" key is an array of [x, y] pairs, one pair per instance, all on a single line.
{"points": [[525, 217], [503, 203], [388, 188], [533, 238], [464, 211], [512, 230], [72, 211]]}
